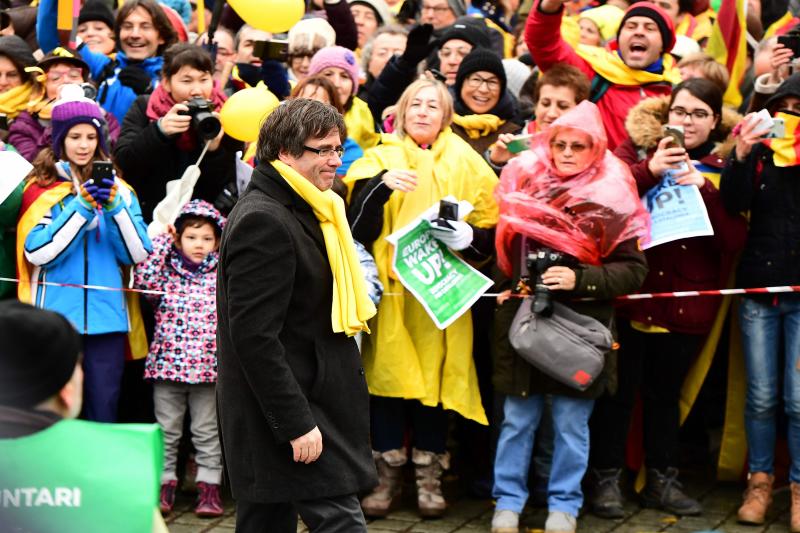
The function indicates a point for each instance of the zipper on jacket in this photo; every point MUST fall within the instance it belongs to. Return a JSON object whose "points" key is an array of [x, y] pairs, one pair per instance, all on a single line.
{"points": [[85, 282]]}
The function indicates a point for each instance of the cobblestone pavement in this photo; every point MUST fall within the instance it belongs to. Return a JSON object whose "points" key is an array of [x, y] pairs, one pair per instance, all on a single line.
{"points": [[469, 515]]}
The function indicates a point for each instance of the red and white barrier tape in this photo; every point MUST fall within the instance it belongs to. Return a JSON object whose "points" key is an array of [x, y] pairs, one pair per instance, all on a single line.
{"points": [[646, 296]]}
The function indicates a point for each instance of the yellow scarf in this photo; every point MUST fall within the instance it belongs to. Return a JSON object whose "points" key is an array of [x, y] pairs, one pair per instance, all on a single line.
{"points": [[478, 126], [786, 150], [351, 306], [610, 66], [15, 100]]}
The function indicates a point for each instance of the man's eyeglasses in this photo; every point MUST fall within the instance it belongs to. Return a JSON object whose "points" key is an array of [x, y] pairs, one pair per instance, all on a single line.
{"points": [[575, 148], [436, 9], [697, 114], [475, 81], [327, 152]]}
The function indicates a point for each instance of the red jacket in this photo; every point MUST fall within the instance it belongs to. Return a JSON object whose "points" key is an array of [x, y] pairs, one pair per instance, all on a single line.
{"points": [[543, 37]]}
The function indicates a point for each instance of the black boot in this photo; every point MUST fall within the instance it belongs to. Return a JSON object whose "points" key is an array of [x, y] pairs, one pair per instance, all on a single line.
{"points": [[605, 498], [663, 491]]}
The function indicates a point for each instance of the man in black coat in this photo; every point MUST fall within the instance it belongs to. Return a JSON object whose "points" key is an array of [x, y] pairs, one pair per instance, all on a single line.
{"points": [[291, 394]]}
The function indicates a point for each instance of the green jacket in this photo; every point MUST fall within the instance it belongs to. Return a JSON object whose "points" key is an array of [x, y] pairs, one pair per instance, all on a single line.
{"points": [[9, 211], [621, 273]]}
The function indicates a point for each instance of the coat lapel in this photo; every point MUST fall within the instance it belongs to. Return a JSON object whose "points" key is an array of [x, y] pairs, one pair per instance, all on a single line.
{"points": [[266, 178]]}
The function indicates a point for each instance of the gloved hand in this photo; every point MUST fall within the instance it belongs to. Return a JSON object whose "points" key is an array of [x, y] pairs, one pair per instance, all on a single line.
{"points": [[418, 45], [457, 239], [89, 191], [135, 78], [106, 191]]}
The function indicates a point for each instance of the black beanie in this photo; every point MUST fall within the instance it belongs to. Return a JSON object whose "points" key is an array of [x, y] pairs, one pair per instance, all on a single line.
{"points": [[18, 51], [96, 10], [466, 32], [657, 15], [38, 353], [480, 59]]}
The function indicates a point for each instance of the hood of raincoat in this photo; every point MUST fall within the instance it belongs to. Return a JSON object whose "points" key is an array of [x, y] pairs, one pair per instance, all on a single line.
{"points": [[201, 208], [585, 214]]}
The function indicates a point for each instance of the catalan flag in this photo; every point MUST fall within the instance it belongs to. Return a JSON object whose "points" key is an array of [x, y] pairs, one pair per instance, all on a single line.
{"points": [[728, 45], [782, 25], [67, 20], [786, 149]]}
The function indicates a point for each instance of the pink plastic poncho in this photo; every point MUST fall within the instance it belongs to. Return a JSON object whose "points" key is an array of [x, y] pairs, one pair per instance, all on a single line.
{"points": [[586, 214]]}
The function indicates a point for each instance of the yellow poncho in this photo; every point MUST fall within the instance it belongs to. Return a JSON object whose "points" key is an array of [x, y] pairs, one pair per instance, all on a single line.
{"points": [[360, 124], [407, 356]]}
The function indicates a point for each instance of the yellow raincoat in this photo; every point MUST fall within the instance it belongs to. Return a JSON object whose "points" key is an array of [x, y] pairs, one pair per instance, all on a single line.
{"points": [[407, 356], [361, 125]]}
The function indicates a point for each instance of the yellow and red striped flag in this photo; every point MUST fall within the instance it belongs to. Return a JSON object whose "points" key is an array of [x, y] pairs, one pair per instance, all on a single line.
{"points": [[786, 149], [782, 25], [728, 45]]}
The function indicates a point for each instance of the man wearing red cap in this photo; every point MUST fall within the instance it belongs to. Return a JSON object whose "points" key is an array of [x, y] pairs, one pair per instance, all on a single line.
{"points": [[639, 68]]}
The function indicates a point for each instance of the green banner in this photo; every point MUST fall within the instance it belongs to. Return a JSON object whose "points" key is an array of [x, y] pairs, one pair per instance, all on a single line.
{"points": [[442, 282], [79, 476]]}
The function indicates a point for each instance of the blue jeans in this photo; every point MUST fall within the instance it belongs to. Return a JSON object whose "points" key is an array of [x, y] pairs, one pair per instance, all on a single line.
{"points": [[570, 452], [762, 325]]}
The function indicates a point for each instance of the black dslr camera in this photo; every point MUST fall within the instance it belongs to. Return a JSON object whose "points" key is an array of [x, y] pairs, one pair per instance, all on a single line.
{"points": [[204, 122], [538, 262]]}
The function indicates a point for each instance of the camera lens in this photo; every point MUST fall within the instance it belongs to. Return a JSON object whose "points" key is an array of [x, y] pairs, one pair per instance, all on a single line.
{"points": [[207, 125]]}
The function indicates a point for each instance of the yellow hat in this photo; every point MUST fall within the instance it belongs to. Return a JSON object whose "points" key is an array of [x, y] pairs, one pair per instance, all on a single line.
{"points": [[607, 19]]}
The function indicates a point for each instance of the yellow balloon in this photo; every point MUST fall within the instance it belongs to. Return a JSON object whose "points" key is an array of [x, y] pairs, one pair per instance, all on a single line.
{"points": [[274, 16], [242, 114]]}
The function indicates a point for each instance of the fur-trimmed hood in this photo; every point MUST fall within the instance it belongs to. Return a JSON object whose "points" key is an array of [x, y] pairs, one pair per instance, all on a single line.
{"points": [[645, 119]]}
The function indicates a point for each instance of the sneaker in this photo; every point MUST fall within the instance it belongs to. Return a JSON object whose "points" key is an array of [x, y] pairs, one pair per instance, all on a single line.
{"points": [[167, 498], [209, 501], [560, 522], [505, 521], [663, 491], [605, 498]]}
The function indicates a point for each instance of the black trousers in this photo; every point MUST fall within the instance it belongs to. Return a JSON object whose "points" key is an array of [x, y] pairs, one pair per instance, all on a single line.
{"points": [[654, 364], [339, 514], [389, 418]]}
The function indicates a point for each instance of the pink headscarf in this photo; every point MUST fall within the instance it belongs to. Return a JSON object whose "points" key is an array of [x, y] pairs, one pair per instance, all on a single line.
{"points": [[585, 214]]}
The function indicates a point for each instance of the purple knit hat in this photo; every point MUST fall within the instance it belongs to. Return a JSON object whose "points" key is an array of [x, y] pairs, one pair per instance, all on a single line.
{"points": [[335, 56], [73, 108]]}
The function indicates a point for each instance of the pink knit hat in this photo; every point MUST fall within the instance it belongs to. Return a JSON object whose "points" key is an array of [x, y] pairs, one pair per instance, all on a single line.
{"points": [[335, 56]]}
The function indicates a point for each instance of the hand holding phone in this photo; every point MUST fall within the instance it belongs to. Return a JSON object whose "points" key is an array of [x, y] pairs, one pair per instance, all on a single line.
{"points": [[519, 143]]}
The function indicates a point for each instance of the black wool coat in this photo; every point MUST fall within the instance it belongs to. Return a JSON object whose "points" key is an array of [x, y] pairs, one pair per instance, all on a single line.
{"points": [[282, 370]]}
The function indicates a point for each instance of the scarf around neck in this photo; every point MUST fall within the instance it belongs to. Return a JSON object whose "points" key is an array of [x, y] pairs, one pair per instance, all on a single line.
{"points": [[14, 101], [351, 306]]}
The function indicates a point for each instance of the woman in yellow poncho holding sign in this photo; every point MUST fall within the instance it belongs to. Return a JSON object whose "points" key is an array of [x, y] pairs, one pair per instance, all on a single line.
{"points": [[414, 370]]}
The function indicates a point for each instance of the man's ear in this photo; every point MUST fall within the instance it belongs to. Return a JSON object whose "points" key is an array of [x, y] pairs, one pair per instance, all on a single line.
{"points": [[285, 157], [165, 84], [71, 394]]}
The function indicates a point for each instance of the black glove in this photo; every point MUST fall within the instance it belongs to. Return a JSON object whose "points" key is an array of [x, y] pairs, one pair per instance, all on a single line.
{"points": [[135, 78], [250, 74], [418, 45]]}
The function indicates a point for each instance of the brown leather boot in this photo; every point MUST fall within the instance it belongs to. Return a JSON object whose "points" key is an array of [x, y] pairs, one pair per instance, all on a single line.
{"points": [[757, 498], [428, 469], [390, 480], [794, 520]]}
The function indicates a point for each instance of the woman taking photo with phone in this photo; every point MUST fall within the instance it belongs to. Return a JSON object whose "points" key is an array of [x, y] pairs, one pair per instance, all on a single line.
{"points": [[762, 178], [660, 340], [80, 225]]}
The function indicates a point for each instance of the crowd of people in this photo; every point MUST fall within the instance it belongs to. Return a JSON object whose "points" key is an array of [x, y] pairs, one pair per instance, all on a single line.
{"points": [[552, 119]]}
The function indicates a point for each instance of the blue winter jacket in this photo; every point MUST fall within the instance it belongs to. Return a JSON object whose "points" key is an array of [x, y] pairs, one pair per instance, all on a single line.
{"points": [[71, 244], [111, 94]]}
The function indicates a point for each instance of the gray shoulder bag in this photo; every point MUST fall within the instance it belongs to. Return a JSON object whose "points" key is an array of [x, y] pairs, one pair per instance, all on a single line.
{"points": [[567, 346]]}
